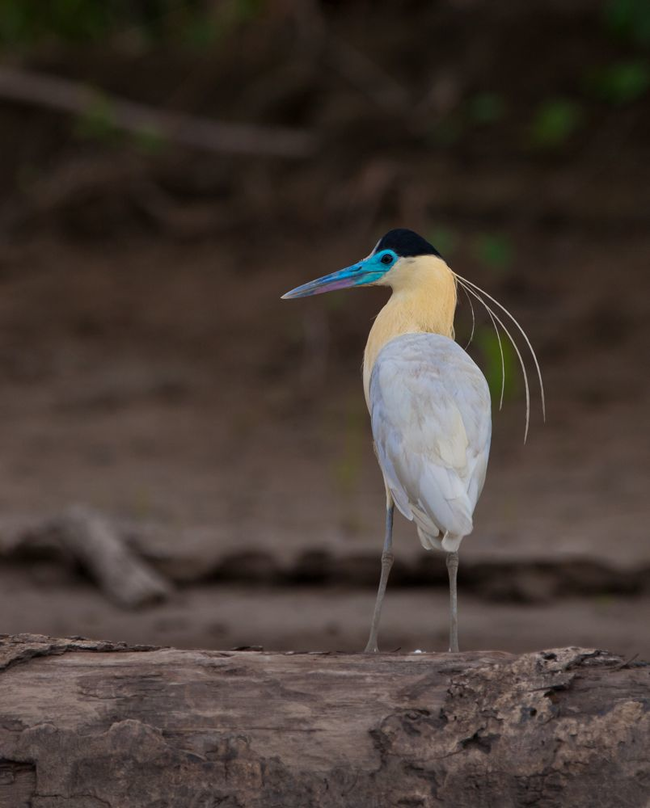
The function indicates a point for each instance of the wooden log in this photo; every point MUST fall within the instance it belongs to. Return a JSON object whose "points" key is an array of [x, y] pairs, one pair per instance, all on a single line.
{"points": [[88, 725]]}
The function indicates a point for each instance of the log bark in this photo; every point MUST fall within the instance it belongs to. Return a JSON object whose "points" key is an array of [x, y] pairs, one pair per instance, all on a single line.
{"points": [[87, 724]]}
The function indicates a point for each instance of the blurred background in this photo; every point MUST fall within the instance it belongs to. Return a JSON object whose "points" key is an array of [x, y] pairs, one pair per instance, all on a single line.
{"points": [[168, 168]]}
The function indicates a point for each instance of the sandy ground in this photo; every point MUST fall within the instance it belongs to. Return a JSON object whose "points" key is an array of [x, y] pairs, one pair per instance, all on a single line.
{"points": [[170, 386], [331, 619]]}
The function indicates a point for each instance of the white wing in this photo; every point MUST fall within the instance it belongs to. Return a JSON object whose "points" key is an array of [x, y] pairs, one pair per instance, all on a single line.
{"points": [[430, 412]]}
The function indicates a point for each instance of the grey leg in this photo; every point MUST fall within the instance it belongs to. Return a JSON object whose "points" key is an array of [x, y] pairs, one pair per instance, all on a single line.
{"points": [[386, 564], [452, 569]]}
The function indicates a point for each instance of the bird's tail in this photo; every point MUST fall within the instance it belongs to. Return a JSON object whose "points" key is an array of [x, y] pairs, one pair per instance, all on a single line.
{"points": [[451, 543], [428, 541], [448, 543]]}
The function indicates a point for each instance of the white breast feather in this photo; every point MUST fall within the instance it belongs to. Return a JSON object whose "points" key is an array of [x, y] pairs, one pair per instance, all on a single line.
{"points": [[430, 412]]}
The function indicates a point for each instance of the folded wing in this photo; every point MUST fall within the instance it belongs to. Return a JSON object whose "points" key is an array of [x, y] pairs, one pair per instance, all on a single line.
{"points": [[431, 421]]}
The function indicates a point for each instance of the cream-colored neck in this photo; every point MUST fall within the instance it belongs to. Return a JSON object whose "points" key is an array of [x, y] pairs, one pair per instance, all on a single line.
{"points": [[423, 301]]}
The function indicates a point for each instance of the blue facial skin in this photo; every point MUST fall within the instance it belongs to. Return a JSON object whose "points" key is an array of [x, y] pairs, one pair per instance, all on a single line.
{"points": [[370, 270]]}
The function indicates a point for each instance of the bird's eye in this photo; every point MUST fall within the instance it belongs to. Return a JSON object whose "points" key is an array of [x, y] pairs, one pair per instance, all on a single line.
{"points": [[387, 259]]}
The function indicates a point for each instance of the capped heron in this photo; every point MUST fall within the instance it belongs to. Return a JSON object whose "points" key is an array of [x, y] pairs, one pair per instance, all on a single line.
{"points": [[429, 402]]}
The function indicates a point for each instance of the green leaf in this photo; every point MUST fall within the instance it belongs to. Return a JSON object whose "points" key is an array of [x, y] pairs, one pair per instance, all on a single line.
{"points": [[628, 19], [448, 131], [15, 22], [347, 465], [444, 239], [620, 83], [486, 108], [488, 343], [495, 251], [554, 123], [149, 140], [201, 32], [97, 121]]}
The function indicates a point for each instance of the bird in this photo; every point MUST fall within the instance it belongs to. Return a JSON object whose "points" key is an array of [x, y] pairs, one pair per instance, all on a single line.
{"points": [[429, 402]]}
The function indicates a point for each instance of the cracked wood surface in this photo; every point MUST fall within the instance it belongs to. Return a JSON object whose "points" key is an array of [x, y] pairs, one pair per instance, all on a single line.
{"points": [[86, 724]]}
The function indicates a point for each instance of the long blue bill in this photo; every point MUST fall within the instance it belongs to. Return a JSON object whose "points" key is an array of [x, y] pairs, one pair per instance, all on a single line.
{"points": [[356, 275]]}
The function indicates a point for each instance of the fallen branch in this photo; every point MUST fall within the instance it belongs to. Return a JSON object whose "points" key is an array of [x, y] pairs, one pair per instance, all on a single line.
{"points": [[97, 724], [192, 553], [88, 539], [73, 97]]}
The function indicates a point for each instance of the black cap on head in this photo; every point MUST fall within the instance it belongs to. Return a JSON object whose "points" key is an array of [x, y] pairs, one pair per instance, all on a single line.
{"points": [[406, 243]]}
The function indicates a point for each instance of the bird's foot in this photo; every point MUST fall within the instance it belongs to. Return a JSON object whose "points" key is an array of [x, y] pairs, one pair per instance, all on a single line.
{"points": [[371, 649]]}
